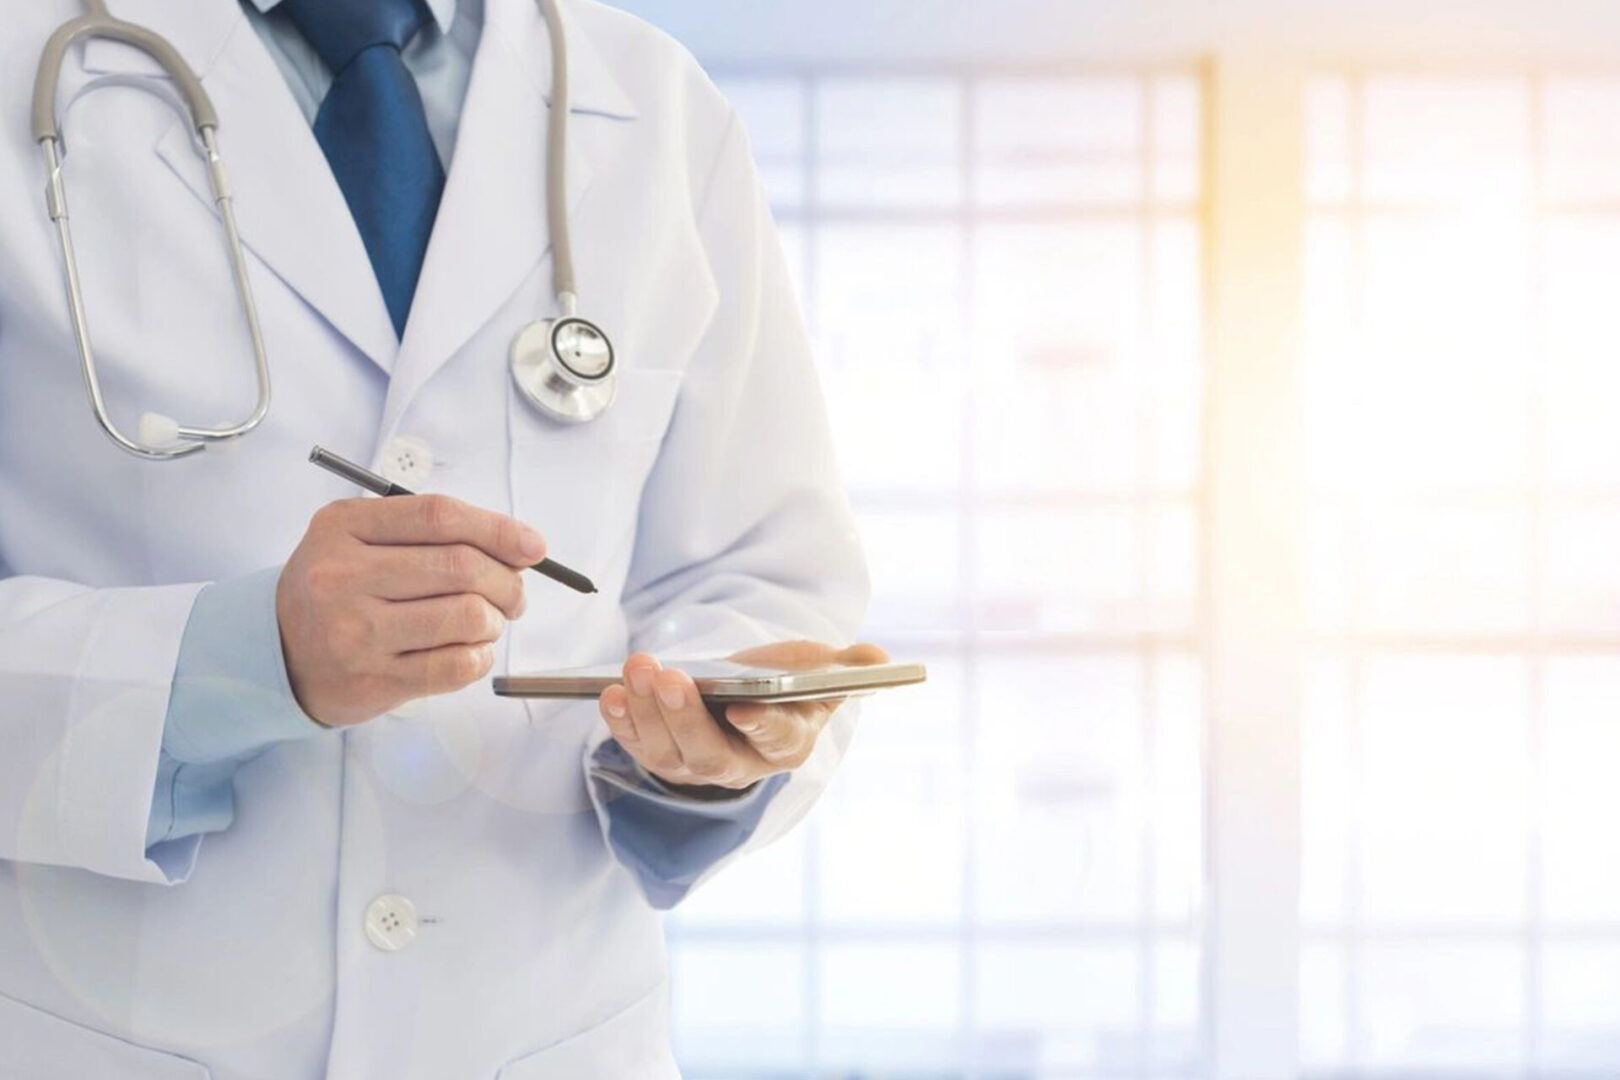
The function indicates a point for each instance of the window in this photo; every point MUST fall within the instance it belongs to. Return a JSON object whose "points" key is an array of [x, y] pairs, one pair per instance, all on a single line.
{"points": [[1006, 877], [1461, 885], [1425, 740]]}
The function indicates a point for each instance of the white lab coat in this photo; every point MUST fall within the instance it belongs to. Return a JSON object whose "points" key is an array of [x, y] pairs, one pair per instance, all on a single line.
{"points": [[704, 503]]}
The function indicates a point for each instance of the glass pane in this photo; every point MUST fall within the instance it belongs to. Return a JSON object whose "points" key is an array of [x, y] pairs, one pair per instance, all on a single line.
{"points": [[1329, 568], [1178, 137], [739, 1006], [889, 142], [890, 828], [1323, 1010], [1447, 140], [764, 890], [1442, 1007], [1334, 378], [1328, 151], [888, 309], [1058, 141], [1325, 793], [1059, 570], [1581, 1007], [1048, 1007], [1583, 138], [891, 1008], [1058, 380], [773, 112], [1177, 986], [1582, 590], [1580, 841], [1438, 571], [1442, 802], [1059, 789], [1172, 569], [914, 559], [1178, 786], [1436, 396], [1059, 428], [1175, 344], [1583, 340], [1053, 295]]}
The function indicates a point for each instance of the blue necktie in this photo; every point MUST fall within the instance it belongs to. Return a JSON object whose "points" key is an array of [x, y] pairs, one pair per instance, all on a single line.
{"points": [[375, 135]]}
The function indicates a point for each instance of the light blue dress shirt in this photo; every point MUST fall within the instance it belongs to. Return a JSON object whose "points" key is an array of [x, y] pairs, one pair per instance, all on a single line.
{"points": [[231, 700]]}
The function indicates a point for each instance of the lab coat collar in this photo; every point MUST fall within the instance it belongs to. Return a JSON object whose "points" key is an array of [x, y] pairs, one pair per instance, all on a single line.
{"points": [[492, 234], [443, 11], [292, 213], [593, 90]]}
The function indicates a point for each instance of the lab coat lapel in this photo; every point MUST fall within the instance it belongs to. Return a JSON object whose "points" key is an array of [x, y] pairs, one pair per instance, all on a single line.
{"points": [[289, 208], [491, 232]]}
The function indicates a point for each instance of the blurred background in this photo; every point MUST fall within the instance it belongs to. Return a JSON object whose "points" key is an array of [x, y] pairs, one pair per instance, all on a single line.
{"points": [[1228, 393]]}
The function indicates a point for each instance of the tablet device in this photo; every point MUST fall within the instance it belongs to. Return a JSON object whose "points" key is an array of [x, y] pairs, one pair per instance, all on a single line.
{"points": [[724, 681]]}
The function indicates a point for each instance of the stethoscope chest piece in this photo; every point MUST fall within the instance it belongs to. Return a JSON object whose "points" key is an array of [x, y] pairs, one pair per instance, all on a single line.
{"points": [[565, 367]]}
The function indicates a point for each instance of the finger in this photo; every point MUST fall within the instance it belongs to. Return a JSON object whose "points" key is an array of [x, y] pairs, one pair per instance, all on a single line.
{"points": [[614, 705], [783, 735], [442, 670], [656, 749], [440, 519], [708, 753], [863, 652], [462, 619], [414, 573], [791, 655]]}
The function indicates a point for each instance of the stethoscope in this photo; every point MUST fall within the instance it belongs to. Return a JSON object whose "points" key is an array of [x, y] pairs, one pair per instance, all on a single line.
{"points": [[564, 367]]}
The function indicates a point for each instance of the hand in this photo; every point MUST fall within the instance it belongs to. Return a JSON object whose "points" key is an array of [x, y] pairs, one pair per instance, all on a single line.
{"points": [[387, 600], [657, 716]]}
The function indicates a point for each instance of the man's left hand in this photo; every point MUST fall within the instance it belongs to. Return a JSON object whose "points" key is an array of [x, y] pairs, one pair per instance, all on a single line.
{"points": [[659, 719]]}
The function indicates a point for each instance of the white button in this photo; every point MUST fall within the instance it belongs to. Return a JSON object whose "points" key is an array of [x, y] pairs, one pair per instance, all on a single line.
{"points": [[391, 922], [406, 461]]}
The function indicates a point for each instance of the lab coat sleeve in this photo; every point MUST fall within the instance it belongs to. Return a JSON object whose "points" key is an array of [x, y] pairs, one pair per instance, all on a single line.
{"points": [[231, 701], [745, 535], [85, 677]]}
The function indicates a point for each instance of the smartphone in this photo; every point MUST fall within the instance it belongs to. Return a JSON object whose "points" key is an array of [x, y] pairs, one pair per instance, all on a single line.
{"points": [[724, 681]]}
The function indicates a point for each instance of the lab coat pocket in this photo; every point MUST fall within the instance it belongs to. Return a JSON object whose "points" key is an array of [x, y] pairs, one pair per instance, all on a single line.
{"points": [[632, 1044], [39, 1046], [581, 484]]}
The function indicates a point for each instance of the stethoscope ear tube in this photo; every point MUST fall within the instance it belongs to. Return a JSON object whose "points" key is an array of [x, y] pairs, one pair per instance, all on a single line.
{"points": [[99, 24], [565, 367], [160, 439]]}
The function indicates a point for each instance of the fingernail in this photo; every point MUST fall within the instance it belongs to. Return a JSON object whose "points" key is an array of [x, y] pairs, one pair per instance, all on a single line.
{"points": [[616, 711], [641, 681], [673, 697], [532, 543]]}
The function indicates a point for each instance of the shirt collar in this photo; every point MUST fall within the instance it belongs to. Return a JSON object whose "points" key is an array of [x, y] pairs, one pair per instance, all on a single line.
{"points": [[444, 11]]}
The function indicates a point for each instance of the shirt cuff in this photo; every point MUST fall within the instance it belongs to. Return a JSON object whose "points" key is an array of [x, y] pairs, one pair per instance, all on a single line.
{"points": [[231, 697], [614, 766], [666, 839]]}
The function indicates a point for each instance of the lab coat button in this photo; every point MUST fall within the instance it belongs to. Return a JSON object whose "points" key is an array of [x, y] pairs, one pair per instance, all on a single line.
{"points": [[391, 922], [406, 461]]}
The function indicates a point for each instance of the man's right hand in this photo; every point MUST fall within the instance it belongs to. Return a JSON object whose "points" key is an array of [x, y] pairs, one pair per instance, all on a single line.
{"points": [[388, 600]]}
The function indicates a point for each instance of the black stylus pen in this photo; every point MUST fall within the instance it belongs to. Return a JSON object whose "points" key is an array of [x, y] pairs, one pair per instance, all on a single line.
{"points": [[379, 485]]}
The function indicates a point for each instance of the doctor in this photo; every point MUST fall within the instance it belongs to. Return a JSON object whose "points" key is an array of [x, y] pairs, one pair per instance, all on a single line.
{"points": [[260, 815]]}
